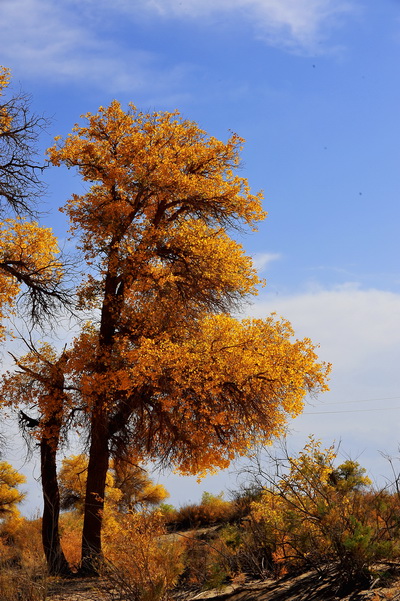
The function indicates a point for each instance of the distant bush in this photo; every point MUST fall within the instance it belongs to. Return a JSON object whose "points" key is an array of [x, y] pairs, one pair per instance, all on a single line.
{"points": [[213, 509], [208, 562]]}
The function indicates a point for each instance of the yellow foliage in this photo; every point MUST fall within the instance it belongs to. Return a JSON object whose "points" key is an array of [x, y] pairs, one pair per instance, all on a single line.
{"points": [[228, 380], [71, 536], [140, 558], [5, 117], [128, 486], [27, 256], [23, 544], [10, 496]]}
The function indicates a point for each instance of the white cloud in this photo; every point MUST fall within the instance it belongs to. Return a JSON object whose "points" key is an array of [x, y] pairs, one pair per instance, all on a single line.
{"points": [[289, 23], [359, 333], [69, 40], [352, 325], [45, 38], [262, 260]]}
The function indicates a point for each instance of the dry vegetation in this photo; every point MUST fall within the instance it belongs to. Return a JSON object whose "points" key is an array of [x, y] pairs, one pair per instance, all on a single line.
{"points": [[313, 531]]}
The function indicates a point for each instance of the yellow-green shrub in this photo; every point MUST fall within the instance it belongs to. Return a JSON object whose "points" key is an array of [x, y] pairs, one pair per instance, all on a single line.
{"points": [[315, 514], [141, 561]]}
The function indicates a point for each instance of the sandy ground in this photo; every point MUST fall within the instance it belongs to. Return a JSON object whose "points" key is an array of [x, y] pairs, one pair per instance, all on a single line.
{"points": [[306, 587]]}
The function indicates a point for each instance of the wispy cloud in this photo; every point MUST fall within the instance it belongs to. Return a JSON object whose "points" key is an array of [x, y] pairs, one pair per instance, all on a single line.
{"points": [[288, 23], [69, 40], [59, 40], [262, 260]]}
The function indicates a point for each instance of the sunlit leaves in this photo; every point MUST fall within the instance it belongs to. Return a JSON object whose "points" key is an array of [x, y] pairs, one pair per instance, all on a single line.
{"points": [[156, 168], [128, 486], [165, 275], [10, 496], [28, 256]]}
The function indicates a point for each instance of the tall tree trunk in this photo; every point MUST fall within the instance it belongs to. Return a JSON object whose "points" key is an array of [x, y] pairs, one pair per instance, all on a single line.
{"points": [[56, 561], [95, 491], [99, 431]]}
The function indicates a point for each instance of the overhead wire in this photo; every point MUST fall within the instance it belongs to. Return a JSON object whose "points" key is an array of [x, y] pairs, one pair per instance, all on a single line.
{"points": [[355, 410], [349, 411], [387, 398]]}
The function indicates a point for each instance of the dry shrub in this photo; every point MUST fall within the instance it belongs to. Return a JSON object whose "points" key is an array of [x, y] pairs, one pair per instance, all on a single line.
{"points": [[254, 548], [22, 543], [22, 585], [142, 563], [23, 572], [318, 515], [27, 584], [213, 509], [169, 513], [209, 563], [71, 537]]}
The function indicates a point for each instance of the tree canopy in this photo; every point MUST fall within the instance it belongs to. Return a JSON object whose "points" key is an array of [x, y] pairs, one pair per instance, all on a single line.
{"points": [[161, 370], [128, 486]]}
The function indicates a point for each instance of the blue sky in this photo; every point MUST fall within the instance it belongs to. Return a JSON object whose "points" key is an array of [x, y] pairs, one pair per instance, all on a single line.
{"points": [[314, 88]]}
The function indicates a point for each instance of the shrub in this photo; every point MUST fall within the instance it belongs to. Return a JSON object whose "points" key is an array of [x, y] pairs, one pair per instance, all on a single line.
{"points": [[317, 515], [142, 563], [23, 572], [213, 509], [209, 562]]}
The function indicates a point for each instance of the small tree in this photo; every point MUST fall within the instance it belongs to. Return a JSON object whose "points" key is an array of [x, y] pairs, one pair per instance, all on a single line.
{"points": [[39, 386], [128, 486]]}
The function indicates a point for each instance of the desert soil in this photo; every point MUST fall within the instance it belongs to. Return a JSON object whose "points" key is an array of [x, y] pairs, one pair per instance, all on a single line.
{"points": [[306, 587]]}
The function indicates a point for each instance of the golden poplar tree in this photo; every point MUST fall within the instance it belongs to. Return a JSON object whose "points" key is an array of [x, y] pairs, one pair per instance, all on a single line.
{"points": [[164, 369]]}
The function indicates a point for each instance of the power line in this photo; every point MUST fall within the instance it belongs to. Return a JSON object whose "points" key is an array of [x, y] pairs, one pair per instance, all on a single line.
{"points": [[349, 411], [387, 398]]}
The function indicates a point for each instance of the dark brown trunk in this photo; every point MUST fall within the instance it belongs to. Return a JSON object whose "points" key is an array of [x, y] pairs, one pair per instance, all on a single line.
{"points": [[99, 430], [95, 491], [56, 562]]}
